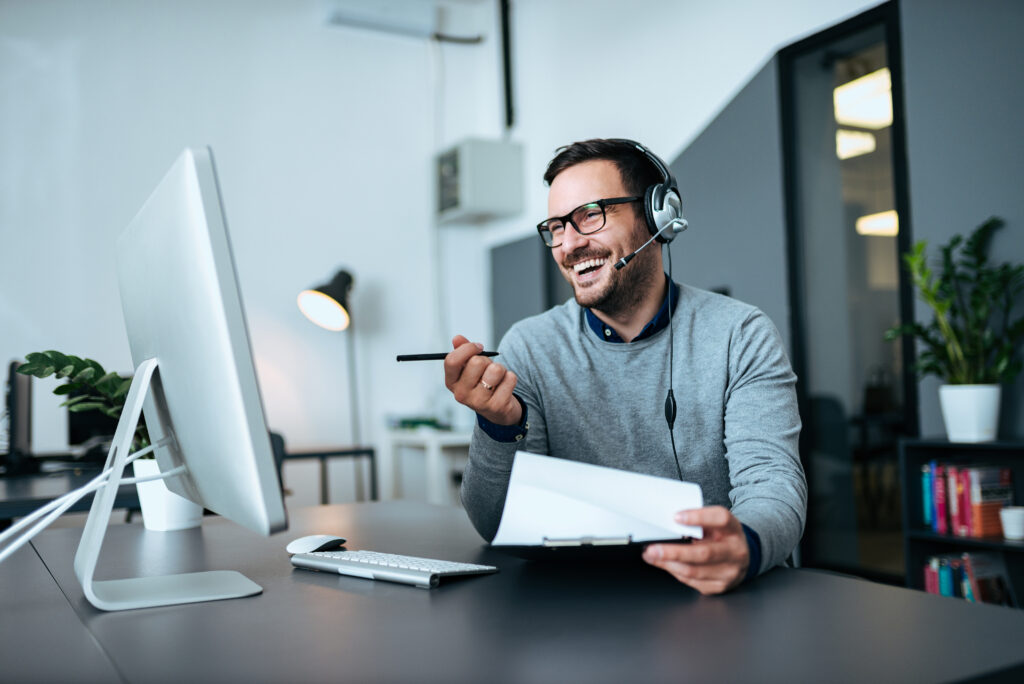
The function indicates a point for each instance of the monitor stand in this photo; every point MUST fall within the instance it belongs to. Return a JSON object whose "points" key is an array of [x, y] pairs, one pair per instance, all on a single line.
{"points": [[142, 592]]}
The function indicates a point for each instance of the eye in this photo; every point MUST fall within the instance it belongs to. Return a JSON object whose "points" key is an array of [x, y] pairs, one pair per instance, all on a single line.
{"points": [[588, 214]]}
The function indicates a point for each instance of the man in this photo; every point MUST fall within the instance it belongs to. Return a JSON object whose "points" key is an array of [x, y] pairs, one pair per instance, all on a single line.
{"points": [[587, 380]]}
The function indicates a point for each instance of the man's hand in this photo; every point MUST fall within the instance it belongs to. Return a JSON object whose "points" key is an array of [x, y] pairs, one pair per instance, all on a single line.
{"points": [[711, 565], [481, 384]]}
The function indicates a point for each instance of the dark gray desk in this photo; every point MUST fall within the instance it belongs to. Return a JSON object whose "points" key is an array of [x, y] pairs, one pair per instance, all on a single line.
{"points": [[41, 637], [531, 622]]}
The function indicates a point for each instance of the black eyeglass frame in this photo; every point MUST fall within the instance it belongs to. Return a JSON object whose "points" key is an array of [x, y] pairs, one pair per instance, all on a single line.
{"points": [[567, 219]]}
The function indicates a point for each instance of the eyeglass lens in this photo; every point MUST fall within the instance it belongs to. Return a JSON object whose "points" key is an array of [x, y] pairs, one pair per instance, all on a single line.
{"points": [[588, 219]]}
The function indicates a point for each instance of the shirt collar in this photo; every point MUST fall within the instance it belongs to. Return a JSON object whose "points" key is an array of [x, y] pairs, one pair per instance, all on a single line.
{"points": [[656, 324]]}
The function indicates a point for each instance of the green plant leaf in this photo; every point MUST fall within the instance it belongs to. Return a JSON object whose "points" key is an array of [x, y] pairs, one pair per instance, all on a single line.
{"points": [[75, 400], [122, 389], [88, 406], [85, 374], [66, 371]]}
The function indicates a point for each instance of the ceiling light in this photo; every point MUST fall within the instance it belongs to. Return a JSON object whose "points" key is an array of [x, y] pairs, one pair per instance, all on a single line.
{"points": [[885, 224], [851, 144], [865, 102]]}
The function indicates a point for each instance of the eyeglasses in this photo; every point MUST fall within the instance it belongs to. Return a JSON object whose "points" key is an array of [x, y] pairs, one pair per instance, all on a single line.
{"points": [[585, 219]]}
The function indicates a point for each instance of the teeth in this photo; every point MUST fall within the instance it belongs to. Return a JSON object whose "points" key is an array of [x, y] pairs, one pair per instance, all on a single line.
{"points": [[590, 263]]}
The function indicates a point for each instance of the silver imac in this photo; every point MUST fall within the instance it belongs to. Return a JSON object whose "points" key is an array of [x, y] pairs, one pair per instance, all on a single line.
{"points": [[194, 380]]}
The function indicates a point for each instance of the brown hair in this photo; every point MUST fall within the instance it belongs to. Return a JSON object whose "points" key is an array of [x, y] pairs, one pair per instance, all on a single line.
{"points": [[637, 171]]}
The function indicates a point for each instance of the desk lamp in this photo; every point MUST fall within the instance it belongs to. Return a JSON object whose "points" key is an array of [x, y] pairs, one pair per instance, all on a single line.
{"points": [[328, 306]]}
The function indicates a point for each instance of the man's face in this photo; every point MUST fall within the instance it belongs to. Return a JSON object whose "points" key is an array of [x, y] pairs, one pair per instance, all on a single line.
{"points": [[588, 261]]}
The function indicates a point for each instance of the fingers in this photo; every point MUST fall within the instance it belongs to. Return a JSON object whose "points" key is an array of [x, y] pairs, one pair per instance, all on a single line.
{"points": [[697, 553], [480, 383], [455, 363], [710, 565], [710, 577], [708, 517]]}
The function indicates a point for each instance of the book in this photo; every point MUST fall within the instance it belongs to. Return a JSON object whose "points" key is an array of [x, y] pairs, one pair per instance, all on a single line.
{"points": [[940, 524], [926, 494], [990, 488], [963, 490], [951, 575], [952, 499], [987, 578], [931, 575]]}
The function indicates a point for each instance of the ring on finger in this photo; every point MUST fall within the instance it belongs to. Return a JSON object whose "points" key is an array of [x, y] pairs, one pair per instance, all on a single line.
{"points": [[486, 386]]}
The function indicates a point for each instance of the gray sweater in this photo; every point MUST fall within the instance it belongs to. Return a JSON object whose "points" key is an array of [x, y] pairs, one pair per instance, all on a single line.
{"points": [[602, 402]]}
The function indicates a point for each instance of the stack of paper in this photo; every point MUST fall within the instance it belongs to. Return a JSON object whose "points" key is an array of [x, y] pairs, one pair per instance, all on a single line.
{"points": [[552, 500]]}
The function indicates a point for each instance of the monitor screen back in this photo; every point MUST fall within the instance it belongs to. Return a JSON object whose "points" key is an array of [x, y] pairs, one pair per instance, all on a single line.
{"points": [[182, 306]]}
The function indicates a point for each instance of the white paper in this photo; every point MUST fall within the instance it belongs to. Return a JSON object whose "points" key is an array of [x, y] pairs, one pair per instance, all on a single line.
{"points": [[555, 499]]}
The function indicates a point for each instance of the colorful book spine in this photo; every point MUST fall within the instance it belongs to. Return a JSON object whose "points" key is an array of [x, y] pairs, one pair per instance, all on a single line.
{"points": [[926, 494], [945, 577], [931, 576], [940, 523], [963, 490], [991, 488], [952, 500]]}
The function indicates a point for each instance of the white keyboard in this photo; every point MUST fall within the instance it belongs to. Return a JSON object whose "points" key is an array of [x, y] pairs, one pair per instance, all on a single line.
{"points": [[421, 572]]}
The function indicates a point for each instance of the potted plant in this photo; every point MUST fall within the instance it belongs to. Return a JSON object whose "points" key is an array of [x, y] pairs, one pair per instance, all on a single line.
{"points": [[972, 342], [90, 388]]}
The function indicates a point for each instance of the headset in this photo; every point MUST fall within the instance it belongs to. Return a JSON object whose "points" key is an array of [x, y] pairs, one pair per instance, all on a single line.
{"points": [[663, 207], [663, 214]]}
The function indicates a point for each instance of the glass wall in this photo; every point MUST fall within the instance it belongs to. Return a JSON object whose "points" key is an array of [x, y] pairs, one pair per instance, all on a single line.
{"points": [[841, 149]]}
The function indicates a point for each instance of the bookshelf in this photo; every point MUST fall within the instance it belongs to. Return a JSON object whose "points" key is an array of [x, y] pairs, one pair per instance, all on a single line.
{"points": [[921, 542]]}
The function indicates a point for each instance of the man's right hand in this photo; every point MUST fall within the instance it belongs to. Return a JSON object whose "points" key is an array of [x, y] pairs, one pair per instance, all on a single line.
{"points": [[480, 383]]}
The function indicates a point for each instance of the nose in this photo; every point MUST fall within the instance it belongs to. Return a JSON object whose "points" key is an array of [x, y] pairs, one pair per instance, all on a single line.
{"points": [[572, 240]]}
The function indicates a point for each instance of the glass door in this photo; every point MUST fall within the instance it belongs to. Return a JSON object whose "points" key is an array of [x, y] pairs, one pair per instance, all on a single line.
{"points": [[847, 226]]}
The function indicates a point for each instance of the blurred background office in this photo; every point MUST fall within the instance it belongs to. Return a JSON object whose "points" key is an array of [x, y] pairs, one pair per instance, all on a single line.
{"points": [[327, 120]]}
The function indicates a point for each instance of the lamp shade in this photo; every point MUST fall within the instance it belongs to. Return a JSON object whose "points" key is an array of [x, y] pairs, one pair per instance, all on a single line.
{"points": [[327, 305]]}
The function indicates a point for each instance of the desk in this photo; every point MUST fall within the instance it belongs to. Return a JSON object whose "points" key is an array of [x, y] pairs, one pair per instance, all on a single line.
{"points": [[530, 622], [22, 494], [41, 637], [433, 443]]}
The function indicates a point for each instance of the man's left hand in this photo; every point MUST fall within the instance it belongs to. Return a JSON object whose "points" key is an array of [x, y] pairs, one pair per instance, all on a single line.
{"points": [[712, 565]]}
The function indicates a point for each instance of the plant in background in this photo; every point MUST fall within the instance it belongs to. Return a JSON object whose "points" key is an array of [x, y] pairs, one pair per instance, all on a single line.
{"points": [[89, 387], [972, 339]]}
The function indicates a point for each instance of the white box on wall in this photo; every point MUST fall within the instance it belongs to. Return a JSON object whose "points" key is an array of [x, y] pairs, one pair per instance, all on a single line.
{"points": [[479, 180]]}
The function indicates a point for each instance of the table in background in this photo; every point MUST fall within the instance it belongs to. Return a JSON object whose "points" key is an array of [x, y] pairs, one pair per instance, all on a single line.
{"points": [[22, 494], [433, 443], [322, 454], [530, 622]]}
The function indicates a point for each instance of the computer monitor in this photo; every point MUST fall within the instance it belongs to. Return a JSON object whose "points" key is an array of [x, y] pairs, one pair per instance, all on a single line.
{"points": [[19, 428], [194, 379]]}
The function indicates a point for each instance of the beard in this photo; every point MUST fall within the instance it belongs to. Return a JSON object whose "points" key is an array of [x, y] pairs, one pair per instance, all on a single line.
{"points": [[621, 290]]}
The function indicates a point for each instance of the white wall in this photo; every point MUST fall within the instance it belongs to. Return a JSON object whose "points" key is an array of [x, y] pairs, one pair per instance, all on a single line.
{"points": [[324, 138]]}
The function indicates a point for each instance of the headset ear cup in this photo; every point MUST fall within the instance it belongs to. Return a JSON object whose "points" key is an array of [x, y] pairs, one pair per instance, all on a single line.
{"points": [[664, 207], [650, 208]]}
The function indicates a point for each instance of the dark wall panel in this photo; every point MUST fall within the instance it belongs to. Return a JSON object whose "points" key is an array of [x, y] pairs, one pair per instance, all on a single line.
{"points": [[730, 178], [963, 66]]}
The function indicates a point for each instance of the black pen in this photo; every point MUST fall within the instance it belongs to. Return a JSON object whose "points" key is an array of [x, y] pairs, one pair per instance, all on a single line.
{"points": [[435, 357]]}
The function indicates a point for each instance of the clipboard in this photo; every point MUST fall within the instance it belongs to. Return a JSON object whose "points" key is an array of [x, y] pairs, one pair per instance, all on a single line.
{"points": [[556, 508], [586, 549]]}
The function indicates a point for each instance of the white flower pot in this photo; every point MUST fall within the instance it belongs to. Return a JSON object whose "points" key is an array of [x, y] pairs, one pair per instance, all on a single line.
{"points": [[162, 509], [970, 412]]}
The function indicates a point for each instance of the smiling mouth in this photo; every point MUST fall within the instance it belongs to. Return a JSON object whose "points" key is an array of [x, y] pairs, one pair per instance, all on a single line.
{"points": [[585, 268]]}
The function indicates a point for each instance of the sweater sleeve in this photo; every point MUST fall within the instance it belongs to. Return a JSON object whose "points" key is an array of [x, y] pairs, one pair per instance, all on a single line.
{"points": [[762, 427], [485, 479]]}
